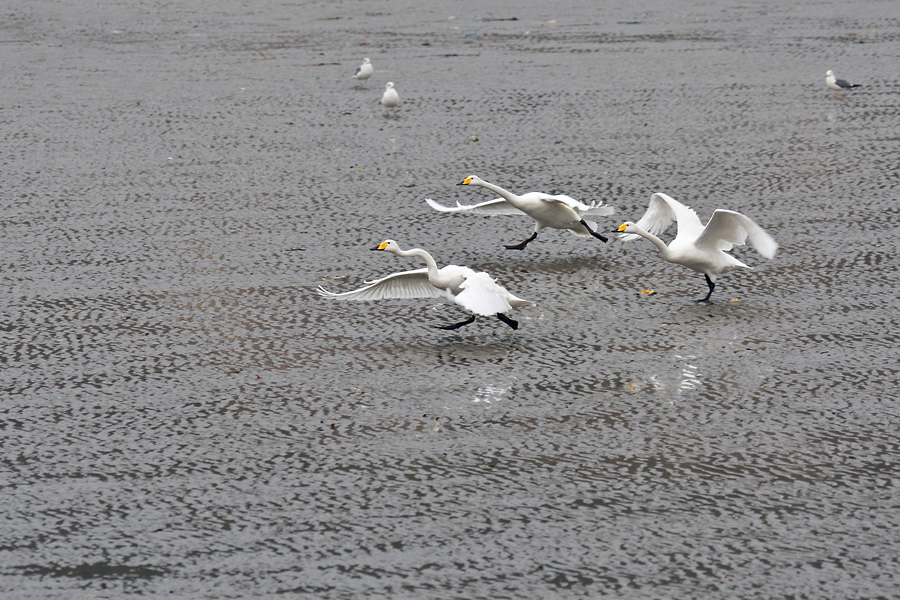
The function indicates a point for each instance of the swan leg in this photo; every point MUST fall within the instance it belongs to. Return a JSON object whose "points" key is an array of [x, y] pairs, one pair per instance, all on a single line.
{"points": [[458, 325], [521, 246], [511, 322], [711, 285], [593, 233]]}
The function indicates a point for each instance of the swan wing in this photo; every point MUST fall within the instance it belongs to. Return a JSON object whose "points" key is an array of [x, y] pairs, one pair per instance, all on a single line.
{"points": [[406, 284], [597, 209], [727, 228], [483, 296], [660, 214], [492, 207]]}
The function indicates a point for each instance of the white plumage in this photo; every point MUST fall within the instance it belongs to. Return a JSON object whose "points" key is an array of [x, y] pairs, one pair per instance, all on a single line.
{"points": [[555, 212], [364, 71], [838, 84], [390, 99], [698, 247], [477, 292]]}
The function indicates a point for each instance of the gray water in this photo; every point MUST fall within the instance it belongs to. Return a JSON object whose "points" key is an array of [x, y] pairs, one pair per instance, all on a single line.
{"points": [[182, 415]]}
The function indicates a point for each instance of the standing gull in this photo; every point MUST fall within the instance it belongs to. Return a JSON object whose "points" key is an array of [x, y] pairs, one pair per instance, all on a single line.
{"points": [[390, 99], [838, 84], [364, 71]]}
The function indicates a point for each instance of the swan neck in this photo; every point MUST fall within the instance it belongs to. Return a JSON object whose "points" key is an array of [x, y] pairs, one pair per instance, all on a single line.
{"points": [[429, 260], [660, 245], [499, 190]]}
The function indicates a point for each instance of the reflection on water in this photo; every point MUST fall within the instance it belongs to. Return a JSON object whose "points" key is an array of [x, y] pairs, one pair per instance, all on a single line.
{"points": [[681, 377]]}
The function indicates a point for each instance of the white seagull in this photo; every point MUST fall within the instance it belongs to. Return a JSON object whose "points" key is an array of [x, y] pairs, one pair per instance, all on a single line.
{"points": [[365, 70], [696, 247], [838, 84], [556, 212], [390, 99], [477, 292]]}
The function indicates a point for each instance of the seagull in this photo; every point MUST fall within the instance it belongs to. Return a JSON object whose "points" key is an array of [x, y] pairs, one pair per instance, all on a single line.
{"points": [[390, 99], [477, 292], [838, 84], [696, 247], [556, 212], [364, 71]]}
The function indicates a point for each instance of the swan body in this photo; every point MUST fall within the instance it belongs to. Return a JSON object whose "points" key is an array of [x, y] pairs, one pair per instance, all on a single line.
{"points": [[364, 71], [838, 84], [555, 212], [390, 99], [477, 292], [698, 247]]}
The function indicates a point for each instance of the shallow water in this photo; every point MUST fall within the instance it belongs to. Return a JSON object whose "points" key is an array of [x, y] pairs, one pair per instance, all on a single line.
{"points": [[182, 415]]}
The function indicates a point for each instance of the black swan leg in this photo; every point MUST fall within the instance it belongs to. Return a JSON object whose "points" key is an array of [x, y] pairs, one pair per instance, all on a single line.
{"points": [[458, 325], [521, 246], [511, 322]]}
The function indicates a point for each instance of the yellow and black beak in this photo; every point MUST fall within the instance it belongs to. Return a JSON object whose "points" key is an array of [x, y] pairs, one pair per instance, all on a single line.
{"points": [[465, 181]]}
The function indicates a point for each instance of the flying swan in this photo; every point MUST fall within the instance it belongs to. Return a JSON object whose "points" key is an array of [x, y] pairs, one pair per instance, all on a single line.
{"points": [[476, 292], [556, 212], [696, 247]]}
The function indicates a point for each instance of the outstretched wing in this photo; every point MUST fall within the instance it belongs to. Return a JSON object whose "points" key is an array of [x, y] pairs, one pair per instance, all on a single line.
{"points": [[492, 207], [727, 228], [406, 284], [661, 212]]}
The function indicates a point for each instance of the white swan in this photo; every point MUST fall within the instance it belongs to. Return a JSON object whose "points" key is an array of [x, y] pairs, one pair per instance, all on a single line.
{"points": [[364, 71], [838, 84], [695, 246], [556, 212], [475, 291], [390, 99]]}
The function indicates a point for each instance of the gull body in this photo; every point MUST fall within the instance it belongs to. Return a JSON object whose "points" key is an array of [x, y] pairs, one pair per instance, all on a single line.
{"points": [[555, 212], [698, 247], [364, 71], [838, 84], [390, 99], [475, 291]]}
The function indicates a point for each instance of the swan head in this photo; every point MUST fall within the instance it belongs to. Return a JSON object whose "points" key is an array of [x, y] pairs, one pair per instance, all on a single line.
{"points": [[627, 227], [471, 180], [388, 246]]}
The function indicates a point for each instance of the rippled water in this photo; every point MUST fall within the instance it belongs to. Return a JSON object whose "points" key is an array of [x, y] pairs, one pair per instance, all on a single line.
{"points": [[182, 415]]}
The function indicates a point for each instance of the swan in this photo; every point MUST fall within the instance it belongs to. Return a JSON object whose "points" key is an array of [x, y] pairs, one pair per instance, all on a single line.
{"points": [[390, 99], [556, 212], [838, 84], [365, 70], [696, 247], [477, 292]]}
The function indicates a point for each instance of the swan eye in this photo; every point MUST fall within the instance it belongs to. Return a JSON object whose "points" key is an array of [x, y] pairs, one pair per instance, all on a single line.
{"points": [[623, 227]]}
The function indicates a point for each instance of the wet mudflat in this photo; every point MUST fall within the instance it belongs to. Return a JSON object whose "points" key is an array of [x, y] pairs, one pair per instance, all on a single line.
{"points": [[183, 416]]}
